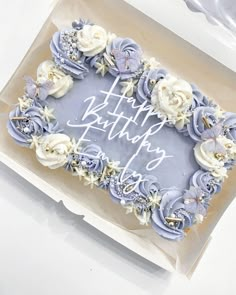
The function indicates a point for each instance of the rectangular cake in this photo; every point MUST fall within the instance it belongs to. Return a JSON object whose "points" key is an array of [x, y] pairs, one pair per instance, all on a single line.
{"points": [[117, 121]]}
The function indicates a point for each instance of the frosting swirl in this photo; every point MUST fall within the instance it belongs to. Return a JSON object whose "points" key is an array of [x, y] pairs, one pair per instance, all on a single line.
{"points": [[22, 125], [91, 158], [53, 149], [171, 99], [229, 125], [213, 154], [62, 83], [52, 127], [66, 54], [199, 99], [92, 39], [147, 82], [128, 187], [207, 183], [123, 55], [140, 197], [171, 219], [197, 123]]}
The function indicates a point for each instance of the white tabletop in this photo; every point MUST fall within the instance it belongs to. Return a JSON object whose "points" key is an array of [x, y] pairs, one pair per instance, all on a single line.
{"points": [[45, 249]]}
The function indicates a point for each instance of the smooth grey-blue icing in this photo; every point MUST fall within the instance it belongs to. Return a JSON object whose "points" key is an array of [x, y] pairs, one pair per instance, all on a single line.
{"points": [[172, 172]]}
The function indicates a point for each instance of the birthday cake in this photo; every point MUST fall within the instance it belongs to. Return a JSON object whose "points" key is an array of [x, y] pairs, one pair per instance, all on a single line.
{"points": [[119, 121]]}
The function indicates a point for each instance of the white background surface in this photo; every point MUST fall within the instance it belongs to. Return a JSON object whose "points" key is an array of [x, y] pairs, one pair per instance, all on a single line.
{"points": [[44, 249], [215, 40]]}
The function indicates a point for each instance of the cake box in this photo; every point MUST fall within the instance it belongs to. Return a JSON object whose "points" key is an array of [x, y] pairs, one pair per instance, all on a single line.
{"points": [[96, 208]]}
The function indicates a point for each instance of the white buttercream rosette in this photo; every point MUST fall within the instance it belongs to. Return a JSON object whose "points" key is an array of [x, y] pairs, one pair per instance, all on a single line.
{"points": [[62, 83], [171, 99], [53, 149], [213, 154], [92, 39]]}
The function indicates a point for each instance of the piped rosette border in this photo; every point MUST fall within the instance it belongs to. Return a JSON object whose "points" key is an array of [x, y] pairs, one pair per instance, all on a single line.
{"points": [[32, 124]]}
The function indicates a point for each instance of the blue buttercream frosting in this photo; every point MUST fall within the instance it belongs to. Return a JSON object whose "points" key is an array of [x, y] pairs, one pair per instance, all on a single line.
{"points": [[126, 58], [146, 83], [172, 205], [67, 56], [197, 126], [206, 182]]}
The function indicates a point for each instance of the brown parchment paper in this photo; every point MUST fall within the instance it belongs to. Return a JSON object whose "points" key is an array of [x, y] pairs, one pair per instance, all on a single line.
{"points": [[178, 57]]}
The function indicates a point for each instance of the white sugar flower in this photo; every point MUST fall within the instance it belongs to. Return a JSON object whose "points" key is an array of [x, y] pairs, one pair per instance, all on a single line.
{"points": [[80, 172], [47, 114], [151, 64], [143, 217], [34, 142], [91, 180], [24, 102], [128, 87], [101, 67]]}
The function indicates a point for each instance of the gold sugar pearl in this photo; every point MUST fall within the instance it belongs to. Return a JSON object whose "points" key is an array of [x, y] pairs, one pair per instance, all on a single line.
{"points": [[49, 150], [74, 163], [200, 199], [152, 82]]}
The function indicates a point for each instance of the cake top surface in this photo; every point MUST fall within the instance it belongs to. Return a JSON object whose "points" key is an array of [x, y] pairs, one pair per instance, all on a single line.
{"points": [[120, 121]]}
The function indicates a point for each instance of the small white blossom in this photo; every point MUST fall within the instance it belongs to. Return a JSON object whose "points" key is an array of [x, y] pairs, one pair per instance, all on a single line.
{"points": [[24, 103], [151, 64], [91, 180], [34, 142], [47, 114], [101, 67], [128, 87], [80, 172]]}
